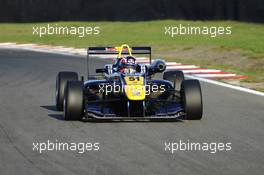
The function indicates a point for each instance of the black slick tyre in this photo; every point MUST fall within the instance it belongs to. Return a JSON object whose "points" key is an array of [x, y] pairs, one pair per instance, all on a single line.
{"points": [[61, 81], [191, 96], [74, 100]]}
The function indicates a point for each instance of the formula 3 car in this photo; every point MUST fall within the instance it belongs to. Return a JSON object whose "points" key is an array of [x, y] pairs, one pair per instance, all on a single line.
{"points": [[128, 90]]}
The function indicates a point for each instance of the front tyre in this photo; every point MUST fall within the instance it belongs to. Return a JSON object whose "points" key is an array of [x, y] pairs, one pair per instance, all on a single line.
{"points": [[192, 99], [74, 100], [61, 81]]}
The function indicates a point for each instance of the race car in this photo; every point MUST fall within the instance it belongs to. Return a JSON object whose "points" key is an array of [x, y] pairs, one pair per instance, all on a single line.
{"points": [[128, 89]]}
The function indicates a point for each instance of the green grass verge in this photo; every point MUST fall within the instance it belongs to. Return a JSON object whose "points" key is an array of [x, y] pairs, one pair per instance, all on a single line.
{"points": [[247, 39], [246, 36]]}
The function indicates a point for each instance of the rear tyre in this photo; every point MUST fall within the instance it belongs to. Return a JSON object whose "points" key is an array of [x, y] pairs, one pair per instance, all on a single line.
{"points": [[61, 81], [192, 99], [73, 101], [176, 77]]}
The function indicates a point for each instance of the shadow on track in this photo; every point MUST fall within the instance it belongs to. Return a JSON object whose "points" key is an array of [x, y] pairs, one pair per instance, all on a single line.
{"points": [[49, 107], [53, 108], [56, 116]]}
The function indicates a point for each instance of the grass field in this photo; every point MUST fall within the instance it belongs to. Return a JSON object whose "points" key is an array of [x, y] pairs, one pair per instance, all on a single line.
{"points": [[242, 52]]}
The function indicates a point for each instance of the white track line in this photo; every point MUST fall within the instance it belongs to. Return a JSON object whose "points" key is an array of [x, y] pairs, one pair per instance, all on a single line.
{"points": [[7, 44], [142, 59], [214, 75], [182, 67], [201, 71], [227, 85], [172, 63]]}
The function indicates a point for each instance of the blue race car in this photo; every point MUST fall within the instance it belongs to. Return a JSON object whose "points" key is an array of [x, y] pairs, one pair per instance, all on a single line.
{"points": [[128, 90]]}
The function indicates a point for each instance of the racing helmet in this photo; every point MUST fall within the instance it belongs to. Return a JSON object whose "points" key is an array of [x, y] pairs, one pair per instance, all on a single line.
{"points": [[130, 60], [130, 65]]}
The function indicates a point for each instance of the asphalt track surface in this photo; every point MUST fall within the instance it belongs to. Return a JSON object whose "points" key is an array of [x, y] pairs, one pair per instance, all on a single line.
{"points": [[27, 93]]}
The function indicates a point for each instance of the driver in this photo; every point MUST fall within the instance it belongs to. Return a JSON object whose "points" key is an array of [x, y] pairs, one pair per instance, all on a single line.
{"points": [[131, 60], [127, 65]]}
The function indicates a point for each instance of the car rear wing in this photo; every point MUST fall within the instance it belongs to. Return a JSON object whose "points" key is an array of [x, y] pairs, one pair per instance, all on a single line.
{"points": [[119, 51], [123, 50]]}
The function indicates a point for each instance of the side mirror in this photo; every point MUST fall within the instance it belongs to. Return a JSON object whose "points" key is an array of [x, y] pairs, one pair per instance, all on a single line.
{"points": [[100, 70]]}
